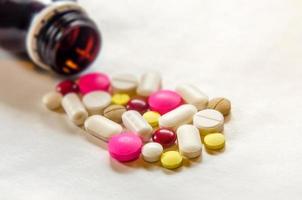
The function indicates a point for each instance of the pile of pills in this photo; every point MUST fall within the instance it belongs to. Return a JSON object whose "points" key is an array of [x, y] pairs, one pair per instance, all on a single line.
{"points": [[139, 118]]}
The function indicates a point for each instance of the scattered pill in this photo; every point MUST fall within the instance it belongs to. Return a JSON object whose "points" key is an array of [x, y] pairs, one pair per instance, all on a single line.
{"points": [[67, 86], [164, 101], [192, 95], [124, 83], [101, 127], [133, 121], [189, 141], [220, 104], [152, 118], [214, 141], [93, 82], [165, 137], [179, 116], [52, 100], [208, 121], [96, 101], [152, 151], [125, 147], [120, 99], [114, 112], [171, 159], [74, 108], [150, 82], [138, 104]]}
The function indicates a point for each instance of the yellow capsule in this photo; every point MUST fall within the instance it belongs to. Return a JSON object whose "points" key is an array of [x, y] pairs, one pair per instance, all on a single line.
{"points": [[214, 141], [171, 159], [120, 99], [152, 118]]}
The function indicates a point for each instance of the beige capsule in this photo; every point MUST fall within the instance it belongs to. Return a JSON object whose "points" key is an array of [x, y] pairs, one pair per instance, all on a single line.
{"points": [[101, 127], [150, 82], [220, 104], [114, 112], [74, 108], [192, 95], [52, 100]]}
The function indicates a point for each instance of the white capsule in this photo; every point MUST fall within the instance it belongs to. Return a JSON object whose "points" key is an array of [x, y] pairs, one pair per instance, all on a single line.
{"points": [[124, 83], [101, 127], [74, 108], [52, 100], [179, 116], [208, 121], [192, 95], [152, 151], [150, 82], [133, 121], [96, 102], [189, 141]]}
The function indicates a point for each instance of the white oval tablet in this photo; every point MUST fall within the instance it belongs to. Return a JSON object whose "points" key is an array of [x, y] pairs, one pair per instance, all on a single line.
{"points": [[135, 122], [192, 95], [189, 141], [74, 108], [179, 116], [208, 121], [150, 82], [52, 100], [96, 102], [101, 127], [124, 83], [152, 151]]}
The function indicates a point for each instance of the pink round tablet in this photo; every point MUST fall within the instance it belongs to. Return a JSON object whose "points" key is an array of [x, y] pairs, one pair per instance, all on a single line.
{"points": [[164, 101], [125, 147], [93, 81]]}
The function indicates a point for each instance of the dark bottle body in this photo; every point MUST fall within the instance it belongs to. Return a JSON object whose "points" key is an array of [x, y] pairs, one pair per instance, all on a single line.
{"points": [[59, 36]]}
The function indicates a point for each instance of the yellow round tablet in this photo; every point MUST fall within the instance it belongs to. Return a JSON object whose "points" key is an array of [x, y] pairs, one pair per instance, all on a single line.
{"points": [[214, 141], [152, 118], [171, 159], [120, 99]]}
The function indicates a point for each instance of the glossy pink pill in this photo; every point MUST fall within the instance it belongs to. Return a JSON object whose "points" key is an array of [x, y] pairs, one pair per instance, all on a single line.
{"points": [[164, 101], [125, 147], [93, 81]]}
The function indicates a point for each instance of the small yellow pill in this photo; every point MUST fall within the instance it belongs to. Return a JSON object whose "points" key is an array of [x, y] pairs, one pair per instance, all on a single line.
{"points": [[120, 99], [171, 159], [214, 141], [152, 118]]}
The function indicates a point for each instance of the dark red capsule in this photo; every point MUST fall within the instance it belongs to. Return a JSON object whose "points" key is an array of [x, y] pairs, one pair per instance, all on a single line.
{"points": [[165, 137], [67, 86], [138, 104]]}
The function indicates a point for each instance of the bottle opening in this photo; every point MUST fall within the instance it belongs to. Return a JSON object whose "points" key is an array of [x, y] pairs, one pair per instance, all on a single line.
{"points": [[69, 42]]}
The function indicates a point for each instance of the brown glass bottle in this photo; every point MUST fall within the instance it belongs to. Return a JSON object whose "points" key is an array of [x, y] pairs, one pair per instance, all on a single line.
{"points": [[59, 36]]}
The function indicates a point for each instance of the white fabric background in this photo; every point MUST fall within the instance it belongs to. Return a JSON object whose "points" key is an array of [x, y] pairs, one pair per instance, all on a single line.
{"points": [[248, 51]]}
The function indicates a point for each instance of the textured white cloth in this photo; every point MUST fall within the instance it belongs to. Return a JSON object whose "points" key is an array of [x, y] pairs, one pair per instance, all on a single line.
{"points": [[248, 51]]}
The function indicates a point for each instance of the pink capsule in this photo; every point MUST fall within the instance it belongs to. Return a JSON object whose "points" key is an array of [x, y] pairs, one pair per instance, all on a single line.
{"points": [[67, 86], [125, 147], [164, 101], [93, 81]]}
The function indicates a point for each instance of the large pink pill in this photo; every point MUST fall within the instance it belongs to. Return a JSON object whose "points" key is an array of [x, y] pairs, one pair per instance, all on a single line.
{"points": [[93, 81], [125, 147], [164, 101]]}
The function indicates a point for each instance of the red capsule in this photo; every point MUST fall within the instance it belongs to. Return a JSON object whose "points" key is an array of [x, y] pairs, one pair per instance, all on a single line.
{"points": [[67, 86], [165, 137], [138, 104]]}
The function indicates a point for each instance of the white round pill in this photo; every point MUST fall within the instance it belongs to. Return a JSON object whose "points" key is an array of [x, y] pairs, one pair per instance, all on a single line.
{"points": [[152, 151], [52, 100], [208, 121], [96, 102], [124, 83]]}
